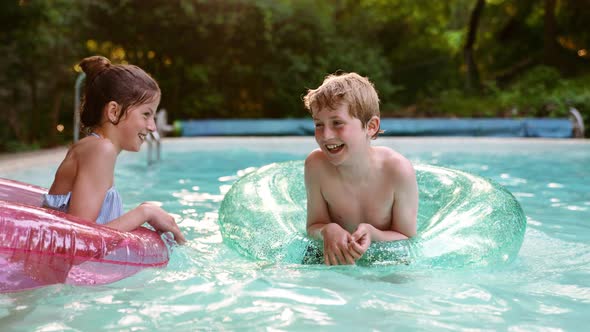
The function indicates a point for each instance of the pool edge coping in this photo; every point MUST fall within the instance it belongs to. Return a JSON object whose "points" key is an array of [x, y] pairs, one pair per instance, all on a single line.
{"points": [[11, 161]]}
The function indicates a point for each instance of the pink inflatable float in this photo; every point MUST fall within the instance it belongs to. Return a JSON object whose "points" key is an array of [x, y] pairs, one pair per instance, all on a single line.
{"points": [[39, 246]]}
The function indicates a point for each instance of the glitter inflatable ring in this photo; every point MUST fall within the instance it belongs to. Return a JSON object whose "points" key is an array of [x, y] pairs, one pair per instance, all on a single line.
{"points": [[464, 220]]}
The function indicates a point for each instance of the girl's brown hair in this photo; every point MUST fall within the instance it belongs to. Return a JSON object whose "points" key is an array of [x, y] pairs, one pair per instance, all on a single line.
{"points": [[126, 85]]}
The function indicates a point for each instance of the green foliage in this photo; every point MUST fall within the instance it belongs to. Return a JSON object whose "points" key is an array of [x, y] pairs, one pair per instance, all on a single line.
{"points": [[537, 93], [37, 40], [541, 92], [456, 103], [257, 58]]}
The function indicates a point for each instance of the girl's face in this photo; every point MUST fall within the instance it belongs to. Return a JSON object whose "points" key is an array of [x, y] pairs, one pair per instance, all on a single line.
{"points": [[136, 124], [339, 135]]}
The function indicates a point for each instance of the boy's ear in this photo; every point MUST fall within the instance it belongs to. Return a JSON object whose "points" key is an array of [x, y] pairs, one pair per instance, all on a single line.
{"points": [[113, 111], [373, 126]]}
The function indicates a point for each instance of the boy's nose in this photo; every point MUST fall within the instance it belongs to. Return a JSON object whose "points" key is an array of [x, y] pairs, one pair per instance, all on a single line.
{"points": [[328, 133]]}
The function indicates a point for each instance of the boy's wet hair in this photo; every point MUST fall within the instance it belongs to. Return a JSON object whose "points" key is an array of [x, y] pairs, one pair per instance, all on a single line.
{"points": [[349, 88], [127, 85]]}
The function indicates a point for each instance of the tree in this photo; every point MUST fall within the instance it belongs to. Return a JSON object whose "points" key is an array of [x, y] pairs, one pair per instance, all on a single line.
{"points": [[472, 82], [40, 43]]}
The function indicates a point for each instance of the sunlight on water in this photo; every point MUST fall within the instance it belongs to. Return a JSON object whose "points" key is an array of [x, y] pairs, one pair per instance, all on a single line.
{"points": [[209, 286]]}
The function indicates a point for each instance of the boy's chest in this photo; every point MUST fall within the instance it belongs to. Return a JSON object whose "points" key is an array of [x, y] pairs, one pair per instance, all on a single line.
{"points": [[349, 205]]}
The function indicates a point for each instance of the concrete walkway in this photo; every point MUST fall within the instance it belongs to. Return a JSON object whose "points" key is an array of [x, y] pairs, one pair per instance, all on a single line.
{"points": [[14, 161], [10, 162]]}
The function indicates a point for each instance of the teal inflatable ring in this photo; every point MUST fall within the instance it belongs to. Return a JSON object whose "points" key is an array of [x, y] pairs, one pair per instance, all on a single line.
{"points": [[463, 220]]}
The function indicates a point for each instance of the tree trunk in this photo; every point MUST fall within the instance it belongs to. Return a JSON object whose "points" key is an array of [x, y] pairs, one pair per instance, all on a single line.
{"points": [[15, 118], [550, 33], [54, 116], [34, 119], [472, 82]]}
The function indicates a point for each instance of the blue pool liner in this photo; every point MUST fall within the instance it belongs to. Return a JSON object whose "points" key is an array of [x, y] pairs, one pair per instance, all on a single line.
{"points": [[495, 127]]}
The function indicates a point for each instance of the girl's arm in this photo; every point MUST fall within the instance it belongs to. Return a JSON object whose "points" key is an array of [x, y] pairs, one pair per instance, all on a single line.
{"points": [[94, 177], [95, 167], [152, 214]]}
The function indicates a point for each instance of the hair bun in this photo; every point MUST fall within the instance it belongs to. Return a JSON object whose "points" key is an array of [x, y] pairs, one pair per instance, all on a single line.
{"points": [[94, 65]]}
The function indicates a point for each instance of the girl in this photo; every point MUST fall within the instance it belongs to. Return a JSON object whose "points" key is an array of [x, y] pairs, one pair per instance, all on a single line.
{"points": [[118, 111]]}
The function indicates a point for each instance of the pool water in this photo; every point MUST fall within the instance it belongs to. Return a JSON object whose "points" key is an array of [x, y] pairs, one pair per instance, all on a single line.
{"points": [[208, 286]]}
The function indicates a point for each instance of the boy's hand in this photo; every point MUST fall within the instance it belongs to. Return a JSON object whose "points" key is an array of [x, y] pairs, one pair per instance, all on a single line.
{"points": [[336, 251], [360, 241]]}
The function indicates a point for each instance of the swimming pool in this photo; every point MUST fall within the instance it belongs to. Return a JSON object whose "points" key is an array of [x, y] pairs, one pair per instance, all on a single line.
{"points": [[208, 286]]}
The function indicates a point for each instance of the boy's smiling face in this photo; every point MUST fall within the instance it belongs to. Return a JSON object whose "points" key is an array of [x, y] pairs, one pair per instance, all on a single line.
{"points": [[338, 134]]}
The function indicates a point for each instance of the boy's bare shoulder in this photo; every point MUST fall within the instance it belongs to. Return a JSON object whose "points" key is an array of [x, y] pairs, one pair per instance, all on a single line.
{"points": [[394, 162], [316, 158]]}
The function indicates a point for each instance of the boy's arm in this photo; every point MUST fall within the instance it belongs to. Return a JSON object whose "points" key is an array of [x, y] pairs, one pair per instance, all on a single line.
{"points": [[319, 225], [317, 210], [403, 213], [405, 204]]}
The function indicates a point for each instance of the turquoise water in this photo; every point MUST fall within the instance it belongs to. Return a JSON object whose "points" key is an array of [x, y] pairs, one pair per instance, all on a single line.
{"points": [[208, 286]]}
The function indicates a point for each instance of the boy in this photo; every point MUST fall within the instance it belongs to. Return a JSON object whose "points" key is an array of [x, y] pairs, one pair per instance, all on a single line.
{"points": [[356, 193]]}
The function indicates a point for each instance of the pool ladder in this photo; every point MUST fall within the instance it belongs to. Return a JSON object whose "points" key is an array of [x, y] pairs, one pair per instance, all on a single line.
{"points": [[154, 142], [578, 123]]}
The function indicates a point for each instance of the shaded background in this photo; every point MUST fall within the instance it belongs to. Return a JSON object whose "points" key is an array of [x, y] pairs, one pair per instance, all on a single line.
{"points": [[257, 58]]}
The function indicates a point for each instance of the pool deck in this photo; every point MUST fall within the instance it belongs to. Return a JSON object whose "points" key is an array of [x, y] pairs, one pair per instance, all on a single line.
{"points": [[14, 161]]}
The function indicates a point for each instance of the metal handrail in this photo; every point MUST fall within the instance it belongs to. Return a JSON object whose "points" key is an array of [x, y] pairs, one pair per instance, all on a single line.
{"points": [[578, 130], [153, 138]]}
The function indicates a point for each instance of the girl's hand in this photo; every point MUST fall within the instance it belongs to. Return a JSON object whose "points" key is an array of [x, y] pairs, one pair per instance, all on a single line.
{"points": [[162, 222]]}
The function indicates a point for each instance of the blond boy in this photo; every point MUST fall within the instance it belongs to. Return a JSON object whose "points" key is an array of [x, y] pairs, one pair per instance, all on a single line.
{"points": [[356, 193]]}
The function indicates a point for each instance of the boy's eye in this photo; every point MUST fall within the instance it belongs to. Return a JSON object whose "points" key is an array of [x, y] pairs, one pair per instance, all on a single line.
{"points": [[317, 125]]}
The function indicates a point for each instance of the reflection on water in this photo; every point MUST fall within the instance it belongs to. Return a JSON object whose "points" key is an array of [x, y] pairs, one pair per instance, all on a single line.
{"points": [[208, 286]]}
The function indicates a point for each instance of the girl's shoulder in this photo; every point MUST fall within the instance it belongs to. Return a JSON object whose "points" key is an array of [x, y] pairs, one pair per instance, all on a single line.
{"points": [[93, 149]]}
